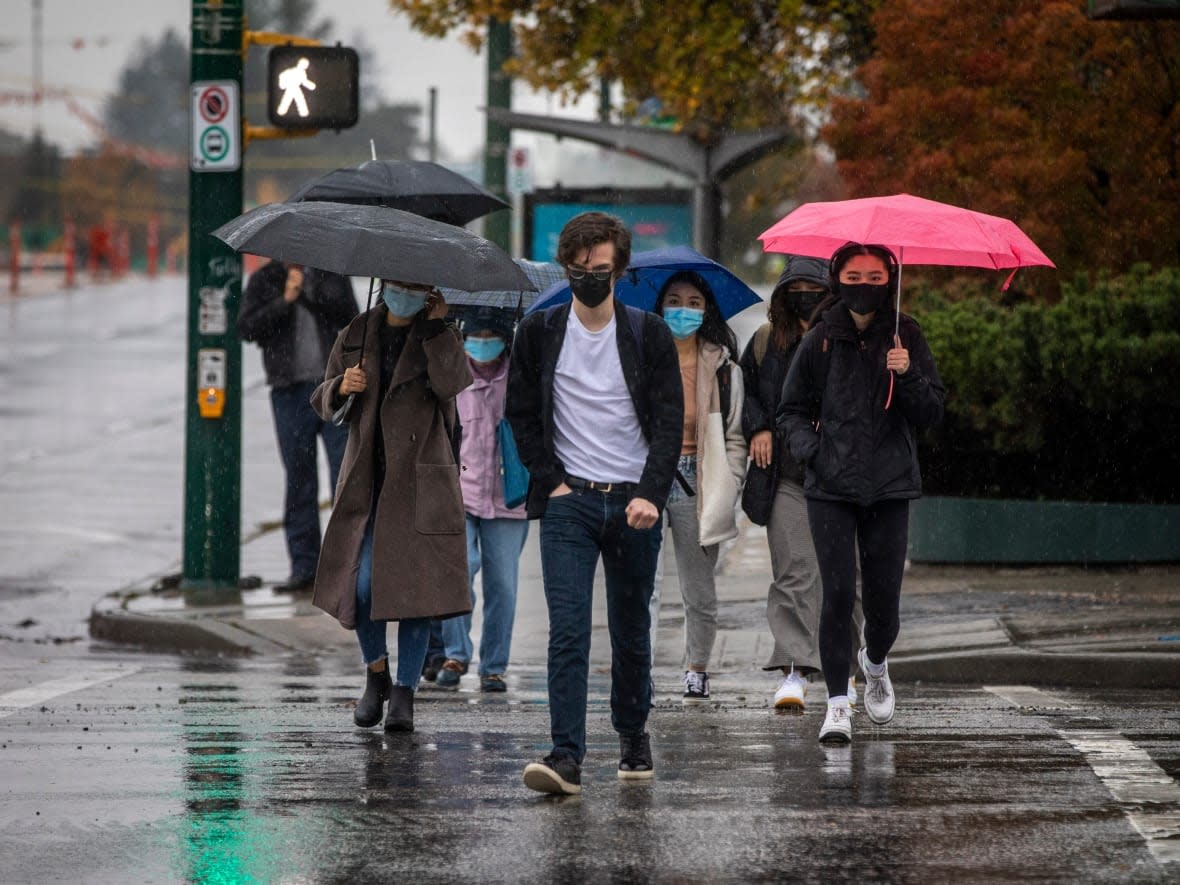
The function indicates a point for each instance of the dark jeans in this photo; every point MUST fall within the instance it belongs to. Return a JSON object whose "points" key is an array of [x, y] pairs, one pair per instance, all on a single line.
{"points": [[576, 529], [881, 530], [296, 426]]}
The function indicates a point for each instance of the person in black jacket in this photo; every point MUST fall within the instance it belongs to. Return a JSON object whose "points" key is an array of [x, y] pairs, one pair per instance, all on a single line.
{"points": [[597, 409], [861, 384], [294, 314], [794, 596]]}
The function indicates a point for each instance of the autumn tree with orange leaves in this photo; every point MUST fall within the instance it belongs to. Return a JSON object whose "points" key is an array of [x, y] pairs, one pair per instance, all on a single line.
{"points": [[1026, 109]]}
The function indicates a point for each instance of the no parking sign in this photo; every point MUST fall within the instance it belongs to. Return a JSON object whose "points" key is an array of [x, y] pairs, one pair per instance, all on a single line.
{"points": [[216, 127]]}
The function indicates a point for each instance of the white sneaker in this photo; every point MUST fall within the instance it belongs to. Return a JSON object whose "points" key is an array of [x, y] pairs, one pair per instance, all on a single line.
{"points": [[837, 727], [878, 691], [790, 693], [852, 691]]}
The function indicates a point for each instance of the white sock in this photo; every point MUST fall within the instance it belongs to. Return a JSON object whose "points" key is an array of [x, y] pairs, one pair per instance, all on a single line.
{"points": [[876, 669], [840, 700]]}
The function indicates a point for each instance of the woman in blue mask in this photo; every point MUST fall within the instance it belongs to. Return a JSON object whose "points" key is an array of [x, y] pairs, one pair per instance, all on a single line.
{"points": [[394, 547], [701, 506], [495, 532], [861, 386]]}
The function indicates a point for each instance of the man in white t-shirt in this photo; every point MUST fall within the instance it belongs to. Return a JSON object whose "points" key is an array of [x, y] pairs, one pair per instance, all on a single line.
{"points": [[597, 409]]}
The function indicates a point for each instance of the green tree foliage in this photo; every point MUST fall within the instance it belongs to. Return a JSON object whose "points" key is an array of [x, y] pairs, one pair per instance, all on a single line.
{"points": [[1074, 400], [1026, 109], [713, 66]]}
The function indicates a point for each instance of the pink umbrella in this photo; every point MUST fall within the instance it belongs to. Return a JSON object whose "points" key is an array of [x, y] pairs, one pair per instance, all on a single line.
{"points": [[918, 231]]}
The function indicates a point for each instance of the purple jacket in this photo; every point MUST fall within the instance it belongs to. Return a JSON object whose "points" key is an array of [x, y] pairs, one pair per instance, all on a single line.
{"points": [[481, 406]]}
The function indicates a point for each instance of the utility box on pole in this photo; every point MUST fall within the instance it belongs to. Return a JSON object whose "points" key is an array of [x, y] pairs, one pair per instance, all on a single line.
{"points": [[213, 388]]}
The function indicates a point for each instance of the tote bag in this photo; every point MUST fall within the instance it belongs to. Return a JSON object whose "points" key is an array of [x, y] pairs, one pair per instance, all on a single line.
{"points": [[514, 473]]}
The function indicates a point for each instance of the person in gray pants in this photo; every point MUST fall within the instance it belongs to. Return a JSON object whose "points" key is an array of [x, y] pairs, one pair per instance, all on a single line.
{"points": [[795, 593], [701, 509]]}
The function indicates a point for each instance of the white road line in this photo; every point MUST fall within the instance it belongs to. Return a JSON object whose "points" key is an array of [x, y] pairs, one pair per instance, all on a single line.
{"points": [[1027, 696], [13, 701], [1149, 796]]}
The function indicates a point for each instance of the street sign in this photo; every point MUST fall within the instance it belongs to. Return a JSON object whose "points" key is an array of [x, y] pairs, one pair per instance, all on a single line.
{"points": [[520, 171], [313, 87], [216, 127]]}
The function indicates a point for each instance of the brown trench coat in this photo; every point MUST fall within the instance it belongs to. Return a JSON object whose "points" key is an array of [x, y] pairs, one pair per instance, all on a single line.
{"points": [[419, 531]]}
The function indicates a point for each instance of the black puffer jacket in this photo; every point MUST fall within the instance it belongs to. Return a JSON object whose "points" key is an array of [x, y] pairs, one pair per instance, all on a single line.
{"points": [[862, 453], [764, 386]]}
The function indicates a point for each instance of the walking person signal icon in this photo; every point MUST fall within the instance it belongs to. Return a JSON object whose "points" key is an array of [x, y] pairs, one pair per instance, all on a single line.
{"points": [[313, 87]]}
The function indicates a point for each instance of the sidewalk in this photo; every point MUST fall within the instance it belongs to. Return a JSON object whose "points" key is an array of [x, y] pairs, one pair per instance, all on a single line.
{"points": [[1114, 628]]}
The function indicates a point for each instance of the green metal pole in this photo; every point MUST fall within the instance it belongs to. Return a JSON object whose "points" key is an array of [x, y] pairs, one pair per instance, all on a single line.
{"points": [[213, 391], [497, 227]]}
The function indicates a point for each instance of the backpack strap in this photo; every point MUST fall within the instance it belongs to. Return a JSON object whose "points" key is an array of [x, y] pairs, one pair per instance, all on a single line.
{"points": [[635, 318], [723, 390], [761, 343]]}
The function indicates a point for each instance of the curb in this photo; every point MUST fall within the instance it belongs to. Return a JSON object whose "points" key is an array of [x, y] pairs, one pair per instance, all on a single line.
{"points": [[1132, 670], [110, 622]]}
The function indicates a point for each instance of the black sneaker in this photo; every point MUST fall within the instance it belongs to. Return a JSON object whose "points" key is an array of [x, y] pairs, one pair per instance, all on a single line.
{"points": [[554, 774], [696, 687], [635, 757]]}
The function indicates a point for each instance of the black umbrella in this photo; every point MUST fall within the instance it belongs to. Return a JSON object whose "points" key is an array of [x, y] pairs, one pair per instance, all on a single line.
{"points": [[417, 186], [372, 241]]}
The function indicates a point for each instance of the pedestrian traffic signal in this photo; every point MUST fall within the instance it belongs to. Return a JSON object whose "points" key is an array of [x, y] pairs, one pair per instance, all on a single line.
{"points": [[313, 87]]}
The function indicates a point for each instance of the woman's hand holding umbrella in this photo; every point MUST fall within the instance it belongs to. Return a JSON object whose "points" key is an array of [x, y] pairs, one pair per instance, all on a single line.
{"points": [[354, 380], [898, 358]]}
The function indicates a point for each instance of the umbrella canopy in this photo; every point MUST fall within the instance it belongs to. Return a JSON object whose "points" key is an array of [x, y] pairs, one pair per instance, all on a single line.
{"points": [[641, 282], [918, 231], [372, 241], [416, 186], [542, 274]]}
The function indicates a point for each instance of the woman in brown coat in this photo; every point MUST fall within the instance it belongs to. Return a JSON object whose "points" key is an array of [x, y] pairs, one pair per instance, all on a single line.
{"points": [[395, 547]]}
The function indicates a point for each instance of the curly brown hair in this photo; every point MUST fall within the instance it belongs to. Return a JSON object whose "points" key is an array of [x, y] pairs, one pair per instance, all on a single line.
{"points": [[587, 230]]}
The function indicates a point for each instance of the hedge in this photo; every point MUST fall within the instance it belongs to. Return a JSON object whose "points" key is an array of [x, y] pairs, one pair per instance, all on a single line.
{"points": [[1076, 400]]}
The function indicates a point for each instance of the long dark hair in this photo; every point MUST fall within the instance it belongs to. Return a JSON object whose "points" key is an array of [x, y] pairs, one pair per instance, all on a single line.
{"points": [[784, 322], [713, 329]]}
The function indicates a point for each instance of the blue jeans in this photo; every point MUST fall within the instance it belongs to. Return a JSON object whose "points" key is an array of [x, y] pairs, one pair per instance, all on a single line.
{"points": [[296, 426], [494, 545], [412, 634], [576, 529]]}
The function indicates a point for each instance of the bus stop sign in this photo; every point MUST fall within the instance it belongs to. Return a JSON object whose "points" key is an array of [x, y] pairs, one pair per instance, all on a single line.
{"points": [[313, 87]]}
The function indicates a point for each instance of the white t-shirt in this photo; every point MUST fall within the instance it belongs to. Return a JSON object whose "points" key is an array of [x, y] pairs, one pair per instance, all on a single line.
{"points": [[597, 434]]}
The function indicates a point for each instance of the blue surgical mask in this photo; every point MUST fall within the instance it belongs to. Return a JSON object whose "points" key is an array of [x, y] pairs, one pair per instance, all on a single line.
{"points": [[683, 321], [402, 302], [484, 350]]}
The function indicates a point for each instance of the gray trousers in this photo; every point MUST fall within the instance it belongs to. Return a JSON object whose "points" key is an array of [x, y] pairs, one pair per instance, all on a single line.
{"points": [[695, 566], [795, 596]]}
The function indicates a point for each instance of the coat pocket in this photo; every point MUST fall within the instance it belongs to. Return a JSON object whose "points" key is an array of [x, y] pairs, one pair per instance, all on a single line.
{"points": [[438, 500]]}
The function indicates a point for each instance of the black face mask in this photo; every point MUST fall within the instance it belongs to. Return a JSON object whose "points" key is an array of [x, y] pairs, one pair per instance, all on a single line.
{"points": [[804, 302], [590, 291], [863, 298]]}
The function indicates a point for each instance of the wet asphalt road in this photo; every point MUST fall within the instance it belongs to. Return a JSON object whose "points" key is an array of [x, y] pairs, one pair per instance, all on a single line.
{"points": [[119, 767], [166, 770]]}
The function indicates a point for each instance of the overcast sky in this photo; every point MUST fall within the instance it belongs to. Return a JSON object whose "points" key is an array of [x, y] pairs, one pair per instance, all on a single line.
{"points": [[86, 44]]}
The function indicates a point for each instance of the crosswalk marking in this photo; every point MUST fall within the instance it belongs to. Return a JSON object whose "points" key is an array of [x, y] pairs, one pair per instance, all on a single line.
{"points": [[13, 701], [1149, 796]]}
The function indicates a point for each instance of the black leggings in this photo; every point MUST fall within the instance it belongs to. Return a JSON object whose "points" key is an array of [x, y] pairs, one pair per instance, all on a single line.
{"points": [[881, 530]]}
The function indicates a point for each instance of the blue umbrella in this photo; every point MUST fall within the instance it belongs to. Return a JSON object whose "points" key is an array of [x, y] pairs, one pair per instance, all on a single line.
{"points": [[647, 273]]}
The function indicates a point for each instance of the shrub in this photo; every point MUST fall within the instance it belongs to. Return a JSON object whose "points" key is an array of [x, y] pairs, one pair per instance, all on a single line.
{"points": [[1077, 400]]}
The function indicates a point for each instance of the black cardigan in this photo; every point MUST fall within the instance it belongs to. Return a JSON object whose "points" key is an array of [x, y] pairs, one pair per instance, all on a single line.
{"points": [[651, 370]]}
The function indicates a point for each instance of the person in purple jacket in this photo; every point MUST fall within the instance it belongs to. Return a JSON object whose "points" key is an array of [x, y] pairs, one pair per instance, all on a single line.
{"points": [[495, 533]]}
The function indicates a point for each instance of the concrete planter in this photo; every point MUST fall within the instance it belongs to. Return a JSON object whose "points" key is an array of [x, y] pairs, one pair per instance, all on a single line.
{"points": [[976, 530]]}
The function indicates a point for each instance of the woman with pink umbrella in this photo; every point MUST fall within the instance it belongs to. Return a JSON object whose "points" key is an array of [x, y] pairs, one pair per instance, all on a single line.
{"points": [[862, 383]]}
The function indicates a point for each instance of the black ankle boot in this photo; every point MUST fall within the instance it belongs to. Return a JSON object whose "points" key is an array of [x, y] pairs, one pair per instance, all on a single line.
{"points": [[368, 708], [401, 709]]}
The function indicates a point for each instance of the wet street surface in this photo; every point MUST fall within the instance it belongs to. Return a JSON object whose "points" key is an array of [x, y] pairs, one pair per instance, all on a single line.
{"points": [[121, 768]]}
